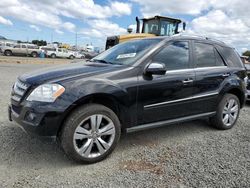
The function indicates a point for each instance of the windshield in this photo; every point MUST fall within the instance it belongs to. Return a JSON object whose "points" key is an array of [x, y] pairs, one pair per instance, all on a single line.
{"points": [[151, 26], [126, 53], [166, 28]]}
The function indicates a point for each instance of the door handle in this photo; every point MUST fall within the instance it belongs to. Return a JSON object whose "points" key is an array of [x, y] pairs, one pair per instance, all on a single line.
{"points": [[187, 81], [225, 75]]}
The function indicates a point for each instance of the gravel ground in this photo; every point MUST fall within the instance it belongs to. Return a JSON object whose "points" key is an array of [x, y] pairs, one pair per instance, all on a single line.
{"points": [[31, 60], [183, 155]]}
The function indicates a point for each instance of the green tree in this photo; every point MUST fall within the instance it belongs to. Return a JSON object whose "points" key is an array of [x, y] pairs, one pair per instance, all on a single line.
{"points": [[246, 53], [39, 42]]}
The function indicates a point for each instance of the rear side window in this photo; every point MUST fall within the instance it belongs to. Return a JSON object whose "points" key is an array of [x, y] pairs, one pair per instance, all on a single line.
{"points": [[207, 55], [175, 55], [231, 56]]}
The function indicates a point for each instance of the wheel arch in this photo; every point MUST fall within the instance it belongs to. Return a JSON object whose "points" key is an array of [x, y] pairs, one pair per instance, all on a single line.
{"points": [[8, 50], [237, 92], [104, 99]]}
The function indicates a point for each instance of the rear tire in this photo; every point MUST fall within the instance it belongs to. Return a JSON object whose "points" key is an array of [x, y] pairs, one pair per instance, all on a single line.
{"points": [[71, 57], [8, 53], [34, 54], [53, 56], [227, 113], [90, 133]]}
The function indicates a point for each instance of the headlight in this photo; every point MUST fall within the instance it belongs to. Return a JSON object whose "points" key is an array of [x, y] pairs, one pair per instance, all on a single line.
{"points": [[246, 81], [46, 93]]}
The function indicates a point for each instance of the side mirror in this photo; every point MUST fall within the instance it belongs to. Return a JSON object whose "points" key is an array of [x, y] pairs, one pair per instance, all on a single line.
{"points": [[156, 68]]}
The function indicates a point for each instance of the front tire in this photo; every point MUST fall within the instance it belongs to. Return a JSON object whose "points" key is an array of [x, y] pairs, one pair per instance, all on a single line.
{"points": [[8, 53], [227, 112], [90, 133]]}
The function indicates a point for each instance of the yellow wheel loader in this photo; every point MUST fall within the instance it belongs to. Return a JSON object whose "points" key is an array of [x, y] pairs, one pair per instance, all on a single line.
{"points": [[151, 27]]}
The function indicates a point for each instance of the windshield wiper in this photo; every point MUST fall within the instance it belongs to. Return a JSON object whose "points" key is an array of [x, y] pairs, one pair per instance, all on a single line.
{"points": [[103, 61]]}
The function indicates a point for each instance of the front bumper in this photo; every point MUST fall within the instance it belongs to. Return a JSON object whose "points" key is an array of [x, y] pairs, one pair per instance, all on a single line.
{"points": [[44, 124]]}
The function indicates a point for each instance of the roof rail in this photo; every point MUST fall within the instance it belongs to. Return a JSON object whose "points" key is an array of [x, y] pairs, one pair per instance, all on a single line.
{"points": [[198, 36]]}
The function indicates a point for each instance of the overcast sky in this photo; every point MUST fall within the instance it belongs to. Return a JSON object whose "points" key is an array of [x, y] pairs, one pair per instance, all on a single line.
{"points": [[60, 20]]}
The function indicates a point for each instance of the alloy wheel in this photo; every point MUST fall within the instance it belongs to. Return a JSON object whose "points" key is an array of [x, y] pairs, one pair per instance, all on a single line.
{"points": [[230, 112], [94, 136]]}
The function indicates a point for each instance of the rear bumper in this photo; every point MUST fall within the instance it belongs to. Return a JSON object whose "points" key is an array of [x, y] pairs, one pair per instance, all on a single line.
{"points": [[39, 124], [248, 95]]}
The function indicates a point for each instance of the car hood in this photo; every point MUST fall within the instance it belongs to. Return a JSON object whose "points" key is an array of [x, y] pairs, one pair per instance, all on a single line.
{"points": [[60, 73]]}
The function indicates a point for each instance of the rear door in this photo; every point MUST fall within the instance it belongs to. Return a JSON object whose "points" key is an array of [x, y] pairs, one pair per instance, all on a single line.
{"points": [[23, 49], [210, 72]]}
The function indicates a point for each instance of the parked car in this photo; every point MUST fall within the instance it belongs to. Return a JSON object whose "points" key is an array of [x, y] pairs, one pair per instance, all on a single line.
{"points": [[248, 85], [21, 49], [133, 86], [61, 53], [90, 55], [79, 55]]}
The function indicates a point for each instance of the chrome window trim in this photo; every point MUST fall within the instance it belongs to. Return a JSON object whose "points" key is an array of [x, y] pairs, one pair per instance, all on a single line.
{"points": [[194, 69], [180, 100], [215, 67]]}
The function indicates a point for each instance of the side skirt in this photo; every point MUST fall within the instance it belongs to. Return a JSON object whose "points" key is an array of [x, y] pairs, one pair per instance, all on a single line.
{"points": [[167, 122]]}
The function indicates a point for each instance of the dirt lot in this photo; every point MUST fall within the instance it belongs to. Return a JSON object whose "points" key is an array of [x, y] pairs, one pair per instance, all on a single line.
{"points": [[31, 60], [183, 155]]}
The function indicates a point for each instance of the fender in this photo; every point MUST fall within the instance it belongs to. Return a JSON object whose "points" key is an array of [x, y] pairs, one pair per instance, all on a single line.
{"points": [[234, 85], [103, 88]]}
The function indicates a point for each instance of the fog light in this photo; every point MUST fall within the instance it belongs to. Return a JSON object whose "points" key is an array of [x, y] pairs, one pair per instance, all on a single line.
{"points": [[30, 116]]}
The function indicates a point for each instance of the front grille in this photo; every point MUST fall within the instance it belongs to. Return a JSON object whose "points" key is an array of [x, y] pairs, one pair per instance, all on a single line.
{"points": [[16, 109], [18, 91]]}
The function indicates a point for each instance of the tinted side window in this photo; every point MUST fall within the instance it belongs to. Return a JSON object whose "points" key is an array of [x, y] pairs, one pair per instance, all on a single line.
{"points": [[175, 56], [219, 60], [231, 56], [205, 56]]}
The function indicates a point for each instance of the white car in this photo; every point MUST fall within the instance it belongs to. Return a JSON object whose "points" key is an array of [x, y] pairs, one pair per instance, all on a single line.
{"points": [[60, 52], [79, 55]]}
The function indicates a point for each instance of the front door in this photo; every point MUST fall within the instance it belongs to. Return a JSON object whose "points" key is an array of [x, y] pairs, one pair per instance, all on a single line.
{"points": [[164, 97]]}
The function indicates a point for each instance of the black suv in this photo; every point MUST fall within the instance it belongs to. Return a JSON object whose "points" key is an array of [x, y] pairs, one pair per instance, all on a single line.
{"points": [[133, 86]]}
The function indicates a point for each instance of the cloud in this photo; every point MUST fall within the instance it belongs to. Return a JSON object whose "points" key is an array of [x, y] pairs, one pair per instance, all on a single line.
{"points": [[69, 26], [88, 9], [49, 13], [35, 27], [5, 21], [102, 29], [226, 20], [59, 31], [217, 24], [159, 7], [120, 8]]}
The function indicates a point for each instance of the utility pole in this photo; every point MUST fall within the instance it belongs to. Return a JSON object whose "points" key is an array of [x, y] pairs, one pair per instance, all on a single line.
{"points": [[76, 41], [51, 38]]}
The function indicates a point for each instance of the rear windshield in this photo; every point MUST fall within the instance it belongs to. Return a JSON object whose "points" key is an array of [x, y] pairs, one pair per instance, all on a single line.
{"points": [[128, 52]]}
